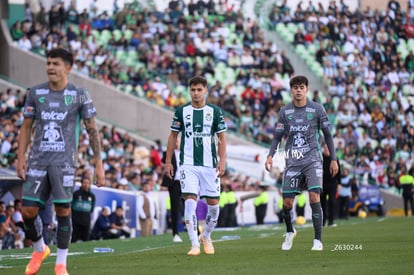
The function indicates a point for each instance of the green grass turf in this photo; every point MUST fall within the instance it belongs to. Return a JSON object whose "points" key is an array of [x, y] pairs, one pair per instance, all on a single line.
{"points": [[357, 246]]}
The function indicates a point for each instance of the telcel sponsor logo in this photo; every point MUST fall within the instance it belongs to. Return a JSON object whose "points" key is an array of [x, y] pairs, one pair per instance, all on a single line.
{"points": [[299, 128], [53, 115]]}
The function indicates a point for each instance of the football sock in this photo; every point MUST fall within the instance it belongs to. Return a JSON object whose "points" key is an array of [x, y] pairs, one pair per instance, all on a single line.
{"points": [[288, 219], [64, 231], [317, 218], [211, 219], [191, 221], [61, 256], [34, 229]]}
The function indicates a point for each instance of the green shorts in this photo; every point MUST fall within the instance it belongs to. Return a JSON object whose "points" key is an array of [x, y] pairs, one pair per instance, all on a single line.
{"points": [[299, 178], [45, 181]]}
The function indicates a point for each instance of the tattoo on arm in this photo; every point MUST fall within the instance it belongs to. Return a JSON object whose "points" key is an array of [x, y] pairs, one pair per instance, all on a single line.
{"points": [[93, 133]]}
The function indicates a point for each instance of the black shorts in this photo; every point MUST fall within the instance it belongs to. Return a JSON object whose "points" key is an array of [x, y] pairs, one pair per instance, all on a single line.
{"points": [[45, 181]]}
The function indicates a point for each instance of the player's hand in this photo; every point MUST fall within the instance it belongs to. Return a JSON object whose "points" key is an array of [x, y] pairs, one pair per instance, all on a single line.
{"points": [[334, 168], [221, 168], [169, 170], [99, 176], [21, 168], [269, 164]]}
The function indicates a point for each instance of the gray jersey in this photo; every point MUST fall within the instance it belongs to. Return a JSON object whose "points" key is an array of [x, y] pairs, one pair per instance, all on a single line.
{"points": [[57, 116], [302, 126]]}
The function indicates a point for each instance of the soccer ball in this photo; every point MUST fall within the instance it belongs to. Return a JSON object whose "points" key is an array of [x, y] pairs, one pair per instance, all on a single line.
{"points": [[275, 172], [300, 220], [362, 214]]}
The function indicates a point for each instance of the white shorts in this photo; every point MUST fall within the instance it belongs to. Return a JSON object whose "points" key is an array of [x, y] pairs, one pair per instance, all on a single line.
{"points": [[199, 180]]}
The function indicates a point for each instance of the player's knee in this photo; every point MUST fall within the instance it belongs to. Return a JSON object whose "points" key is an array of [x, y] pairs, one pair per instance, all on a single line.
{"points": [[188, 197], [62, 210], [314, 196], [30, 212], [212, 201], [287, 204]]}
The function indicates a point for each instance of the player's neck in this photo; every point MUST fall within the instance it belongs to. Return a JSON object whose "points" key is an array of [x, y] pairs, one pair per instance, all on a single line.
{"points": [[58, 86], [198, 105], [300, 103]]}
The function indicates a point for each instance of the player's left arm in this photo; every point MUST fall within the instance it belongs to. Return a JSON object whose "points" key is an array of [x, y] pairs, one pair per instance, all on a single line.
{"points": [[326, 129], [221, 166], [95, 143]]}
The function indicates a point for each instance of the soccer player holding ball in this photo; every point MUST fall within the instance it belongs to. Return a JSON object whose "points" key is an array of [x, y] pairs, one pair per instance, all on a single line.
{"points": [[300, 123]]}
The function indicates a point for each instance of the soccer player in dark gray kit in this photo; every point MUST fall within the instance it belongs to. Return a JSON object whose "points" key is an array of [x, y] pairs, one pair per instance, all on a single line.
{"points": [[54, 109], [300, 123]]}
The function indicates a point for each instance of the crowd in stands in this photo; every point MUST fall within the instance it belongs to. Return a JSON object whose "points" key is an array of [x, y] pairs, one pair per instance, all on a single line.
{"points": [[369, 82], [369, 79], [152, 54]]}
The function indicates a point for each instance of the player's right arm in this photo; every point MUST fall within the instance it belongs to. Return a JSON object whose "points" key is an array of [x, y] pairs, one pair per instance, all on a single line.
{"points": [[277, 137], [176, 127], [24, 141], [171, 144]]}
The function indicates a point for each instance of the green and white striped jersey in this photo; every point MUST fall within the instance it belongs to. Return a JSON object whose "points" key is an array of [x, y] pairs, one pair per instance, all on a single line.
{"points": [[198, 129]]}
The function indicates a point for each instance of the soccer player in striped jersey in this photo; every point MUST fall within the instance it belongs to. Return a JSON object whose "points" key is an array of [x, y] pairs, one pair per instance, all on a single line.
{"points": [[203, 139]]}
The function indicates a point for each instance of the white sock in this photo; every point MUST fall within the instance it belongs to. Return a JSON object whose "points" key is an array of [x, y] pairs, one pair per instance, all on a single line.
{"points": [[39, 246], [191, 221], [211, 219], [61, 256]]}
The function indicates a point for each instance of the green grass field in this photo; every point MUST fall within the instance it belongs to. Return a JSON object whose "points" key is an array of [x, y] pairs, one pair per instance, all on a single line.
{"points": [[357, 246]]}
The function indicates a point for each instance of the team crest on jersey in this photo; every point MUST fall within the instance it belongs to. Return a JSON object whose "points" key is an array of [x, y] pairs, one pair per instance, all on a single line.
{"points": [[309, 116], [68, 100], [52, 138], [209, 117], [42, 99], [290, 117]]}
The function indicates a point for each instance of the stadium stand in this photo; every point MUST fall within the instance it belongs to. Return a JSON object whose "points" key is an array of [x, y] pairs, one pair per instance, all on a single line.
{"points": [[367, 71], [365, 59], [124, 49]]}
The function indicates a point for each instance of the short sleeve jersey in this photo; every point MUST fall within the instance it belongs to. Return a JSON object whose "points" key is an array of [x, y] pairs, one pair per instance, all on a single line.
{"points": [[301, 126], [198, 129], [57, 116]]}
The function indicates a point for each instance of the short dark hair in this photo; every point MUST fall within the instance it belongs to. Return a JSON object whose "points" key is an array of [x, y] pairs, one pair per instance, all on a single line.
{"points": [[298, 80], [66, 55], [198, 80]]}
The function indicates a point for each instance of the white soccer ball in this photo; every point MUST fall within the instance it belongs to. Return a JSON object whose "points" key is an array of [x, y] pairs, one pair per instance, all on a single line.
{"points": [[275, 172]]}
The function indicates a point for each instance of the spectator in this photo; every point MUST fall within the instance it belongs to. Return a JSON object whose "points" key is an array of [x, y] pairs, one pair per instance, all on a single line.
{"points": [[344, 193], [118, 227], [101, 229], [16, 31], [83, 204], [260, 204], [72, 14], [146, 209], [407, 185]]}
